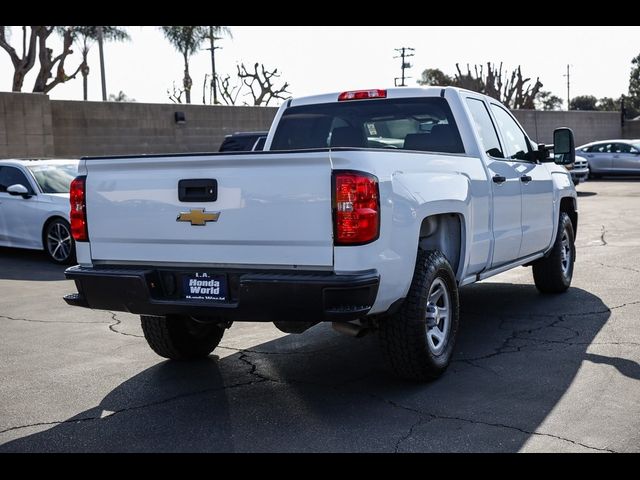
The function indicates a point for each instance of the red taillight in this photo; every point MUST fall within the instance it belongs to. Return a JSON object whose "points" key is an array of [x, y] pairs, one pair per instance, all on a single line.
{"points": [[78, 213], [356, 208], [362, 95]]}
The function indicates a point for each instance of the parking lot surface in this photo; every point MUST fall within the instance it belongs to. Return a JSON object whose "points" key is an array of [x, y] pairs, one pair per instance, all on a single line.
{"points": [[531, 372]]}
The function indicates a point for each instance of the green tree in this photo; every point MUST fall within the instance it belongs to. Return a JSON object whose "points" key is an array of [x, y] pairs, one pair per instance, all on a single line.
{"points": [[435, 76], [583, 102], [87, 35], [548, 101], [634, 78], [608, 104], [187, 41], [632, 102]]}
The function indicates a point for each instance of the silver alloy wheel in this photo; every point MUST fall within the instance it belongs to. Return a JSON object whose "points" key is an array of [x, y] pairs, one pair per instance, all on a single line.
{"points": [[565, 254], [59, 242], [438, 316]]}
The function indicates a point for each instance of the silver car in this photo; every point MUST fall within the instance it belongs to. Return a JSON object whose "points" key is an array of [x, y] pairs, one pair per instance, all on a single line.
{"points": [[612, 157], [579, 170]]}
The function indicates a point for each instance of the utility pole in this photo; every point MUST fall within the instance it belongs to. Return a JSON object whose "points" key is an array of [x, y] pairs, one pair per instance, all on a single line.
{"points": [[212, 39], [568, 86], [104, 80], [404, 54]]}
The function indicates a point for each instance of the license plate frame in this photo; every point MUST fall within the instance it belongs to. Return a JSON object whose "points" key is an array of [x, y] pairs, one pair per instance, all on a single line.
{"points": [[205, 287]]}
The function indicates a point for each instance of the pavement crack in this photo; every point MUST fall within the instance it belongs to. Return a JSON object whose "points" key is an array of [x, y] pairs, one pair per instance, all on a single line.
{"points": [[428, 416], [421, 420], [113, 413], [244, 358], [629, 269], [602, 234], [116, 322], [522, 430], [15, 319], [262, 352]]}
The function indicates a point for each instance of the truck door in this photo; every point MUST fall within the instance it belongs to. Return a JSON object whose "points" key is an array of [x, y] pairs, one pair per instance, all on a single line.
{"points": [[536, 183], [506, 187]]}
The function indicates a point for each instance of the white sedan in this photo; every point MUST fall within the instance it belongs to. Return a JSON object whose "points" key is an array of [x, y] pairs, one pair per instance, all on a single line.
{"points": [[34, 206]]}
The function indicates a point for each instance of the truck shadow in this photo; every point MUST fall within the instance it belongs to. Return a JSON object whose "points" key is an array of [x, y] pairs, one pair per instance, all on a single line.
{"points": [[22, 264], [518, 352]]}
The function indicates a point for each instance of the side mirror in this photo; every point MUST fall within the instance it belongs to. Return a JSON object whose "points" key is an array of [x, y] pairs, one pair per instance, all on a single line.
{"points": [[564, 146], [18, 189]]}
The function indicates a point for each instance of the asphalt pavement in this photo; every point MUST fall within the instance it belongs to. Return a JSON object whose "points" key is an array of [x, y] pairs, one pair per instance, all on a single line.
{"points": [[531, 372]]}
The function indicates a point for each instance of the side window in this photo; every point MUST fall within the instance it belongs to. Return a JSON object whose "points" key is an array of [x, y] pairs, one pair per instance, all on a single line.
{"points": [[485, 128], [516, 145], [599, 148], [622, 148], [10, 176]]}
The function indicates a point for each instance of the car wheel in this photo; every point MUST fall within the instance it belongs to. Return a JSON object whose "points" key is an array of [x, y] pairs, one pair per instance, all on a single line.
{"points": [[553, 273], [418, 341], [58, 242], [180, 337]]}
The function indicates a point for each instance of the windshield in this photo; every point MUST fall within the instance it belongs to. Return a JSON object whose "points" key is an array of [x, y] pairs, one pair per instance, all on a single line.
{"points": [[424, 124], [54, 178]]}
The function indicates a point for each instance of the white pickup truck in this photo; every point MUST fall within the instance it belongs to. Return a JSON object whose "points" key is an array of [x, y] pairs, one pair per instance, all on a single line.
{"points": [[368, 209]]}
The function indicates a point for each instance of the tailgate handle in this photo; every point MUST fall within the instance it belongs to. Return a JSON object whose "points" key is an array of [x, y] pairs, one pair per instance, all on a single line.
{"points": [[198, 190]]}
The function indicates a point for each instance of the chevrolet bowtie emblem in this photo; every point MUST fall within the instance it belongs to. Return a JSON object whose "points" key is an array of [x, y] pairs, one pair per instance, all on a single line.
{"points": [[197, 216]]}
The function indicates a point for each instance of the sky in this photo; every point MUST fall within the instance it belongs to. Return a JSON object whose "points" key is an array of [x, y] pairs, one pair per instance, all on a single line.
{"points": [[327, 59]]}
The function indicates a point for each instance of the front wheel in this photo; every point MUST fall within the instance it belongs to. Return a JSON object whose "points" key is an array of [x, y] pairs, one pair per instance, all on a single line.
{"points": [[180, 337], [58, 243], [553, 273], [418, 341]]}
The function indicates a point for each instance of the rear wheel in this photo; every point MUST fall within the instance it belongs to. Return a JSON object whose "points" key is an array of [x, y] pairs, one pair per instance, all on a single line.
{"points": [[58, 243], [180, 337], [418, 341]]}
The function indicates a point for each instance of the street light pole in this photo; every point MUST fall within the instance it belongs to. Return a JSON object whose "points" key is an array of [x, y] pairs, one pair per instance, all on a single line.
{"points": [[104, 80]]}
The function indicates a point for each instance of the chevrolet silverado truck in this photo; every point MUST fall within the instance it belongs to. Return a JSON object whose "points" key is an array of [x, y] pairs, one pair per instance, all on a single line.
{"points": [[368, 209]]}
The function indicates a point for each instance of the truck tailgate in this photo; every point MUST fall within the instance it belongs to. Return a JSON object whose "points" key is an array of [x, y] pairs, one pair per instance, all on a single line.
{"points": [[274, 210]]}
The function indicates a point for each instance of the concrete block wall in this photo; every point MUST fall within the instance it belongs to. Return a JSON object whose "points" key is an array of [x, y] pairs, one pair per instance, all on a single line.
{"points": [[631, 129], [114, 128], [25, 125], [31, 125], [587, 126]]}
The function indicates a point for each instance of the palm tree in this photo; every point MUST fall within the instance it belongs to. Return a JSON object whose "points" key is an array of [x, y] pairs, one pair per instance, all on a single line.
{"points": [[88, 35], [187, 40], [212, 34]]}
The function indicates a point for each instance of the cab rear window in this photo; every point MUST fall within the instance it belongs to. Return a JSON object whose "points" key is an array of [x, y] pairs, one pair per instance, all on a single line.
{"points": [[423, 124]]}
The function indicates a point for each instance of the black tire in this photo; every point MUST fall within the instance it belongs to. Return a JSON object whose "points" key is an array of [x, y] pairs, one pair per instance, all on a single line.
{"points": [[553, 273], [58, 243], [405, 337], [179, 337], [595, 176]]}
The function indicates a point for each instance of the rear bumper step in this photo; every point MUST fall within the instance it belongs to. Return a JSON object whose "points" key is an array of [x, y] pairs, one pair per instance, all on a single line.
{"points": [[253, 296]]}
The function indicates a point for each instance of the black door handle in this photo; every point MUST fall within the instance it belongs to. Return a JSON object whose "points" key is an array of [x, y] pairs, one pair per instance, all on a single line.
{"points": [[525, 178], [499, 179]]}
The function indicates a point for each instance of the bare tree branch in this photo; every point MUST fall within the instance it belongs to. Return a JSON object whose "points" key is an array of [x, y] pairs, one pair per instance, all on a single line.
{"points": [[21, 64]]}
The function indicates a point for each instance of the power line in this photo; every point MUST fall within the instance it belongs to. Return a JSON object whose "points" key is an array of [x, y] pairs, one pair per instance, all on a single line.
{"points": [[404, 54]]}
